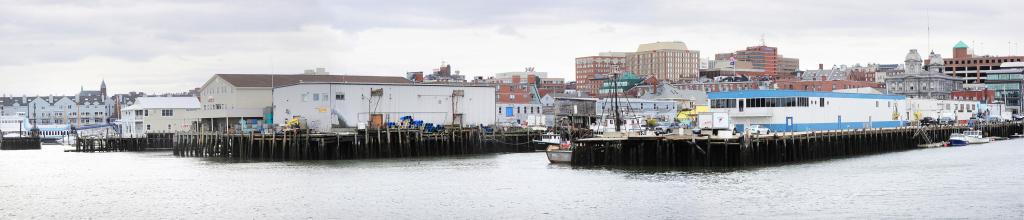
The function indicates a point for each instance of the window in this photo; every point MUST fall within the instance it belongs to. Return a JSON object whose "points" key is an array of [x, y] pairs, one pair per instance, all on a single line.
{"points": [[167, 112], [145, 113], [147, 127], [316, 97], [339, 96]]}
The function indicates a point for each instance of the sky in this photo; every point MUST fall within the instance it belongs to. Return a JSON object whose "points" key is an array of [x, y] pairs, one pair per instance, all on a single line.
{"points": [[57, 47]]}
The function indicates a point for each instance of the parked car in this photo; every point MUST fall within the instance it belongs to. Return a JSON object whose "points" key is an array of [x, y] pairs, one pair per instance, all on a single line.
{"points": [[666, 127], [1018, 117], [757, 129], [994, 119], [926, 121], [946, 121]]}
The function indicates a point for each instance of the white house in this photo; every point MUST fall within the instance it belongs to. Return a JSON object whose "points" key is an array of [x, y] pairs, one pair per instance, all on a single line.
{"points": [[327, 105], [159, 115]]}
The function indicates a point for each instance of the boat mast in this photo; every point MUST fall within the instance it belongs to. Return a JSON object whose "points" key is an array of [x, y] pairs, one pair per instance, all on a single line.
{"points": [[615, 100]]}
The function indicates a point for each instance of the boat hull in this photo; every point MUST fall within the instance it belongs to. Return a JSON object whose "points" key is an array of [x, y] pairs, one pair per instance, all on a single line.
{"points": [[958, 142], [559, 156]]}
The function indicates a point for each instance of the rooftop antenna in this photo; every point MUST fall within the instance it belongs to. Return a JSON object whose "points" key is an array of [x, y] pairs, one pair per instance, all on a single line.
{"points": [[928, 16]]}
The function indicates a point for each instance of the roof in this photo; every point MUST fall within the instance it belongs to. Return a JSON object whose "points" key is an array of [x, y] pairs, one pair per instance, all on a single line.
{"points": [[567, 95], [960, 44], [673, 45], [796, 93], [276, 80], [667, 91], [164, 103]]}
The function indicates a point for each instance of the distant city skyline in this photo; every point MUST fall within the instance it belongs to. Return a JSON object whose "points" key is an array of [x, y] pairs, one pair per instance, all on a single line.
{"points": [[161, 46]]}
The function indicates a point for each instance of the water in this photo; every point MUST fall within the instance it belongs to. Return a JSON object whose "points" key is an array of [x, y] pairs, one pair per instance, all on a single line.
{"points": [[980, 181]]}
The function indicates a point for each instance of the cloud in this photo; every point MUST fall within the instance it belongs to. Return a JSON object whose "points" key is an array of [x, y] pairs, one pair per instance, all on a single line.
{"points": [[170, 46]]}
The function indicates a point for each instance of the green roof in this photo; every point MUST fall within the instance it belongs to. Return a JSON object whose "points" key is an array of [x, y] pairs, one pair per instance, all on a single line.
{"points": [[960, 44]]}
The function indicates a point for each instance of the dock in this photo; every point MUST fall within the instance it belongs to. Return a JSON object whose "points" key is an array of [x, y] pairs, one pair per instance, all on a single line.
{"points": [[778, 148], [20, 143], [152, 141], [362, 144]]}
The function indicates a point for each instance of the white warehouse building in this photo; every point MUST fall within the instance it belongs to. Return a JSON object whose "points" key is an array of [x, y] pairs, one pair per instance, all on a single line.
{"points": [[790, 110], [328, 105]]}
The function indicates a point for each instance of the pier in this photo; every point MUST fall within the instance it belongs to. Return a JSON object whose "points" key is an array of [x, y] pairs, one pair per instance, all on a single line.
{"points": [[363, 144], [20, 143], [778, 148], [152, 141]]}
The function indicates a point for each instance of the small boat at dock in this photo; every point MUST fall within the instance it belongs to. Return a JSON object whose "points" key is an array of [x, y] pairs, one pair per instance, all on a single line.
{"points": [[559, 153], [967, 137], [958, 139], [548, 139], [976, 137]]}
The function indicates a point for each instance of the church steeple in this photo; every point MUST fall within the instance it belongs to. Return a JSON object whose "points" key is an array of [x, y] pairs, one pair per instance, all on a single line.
{"points": [[103, 88]]}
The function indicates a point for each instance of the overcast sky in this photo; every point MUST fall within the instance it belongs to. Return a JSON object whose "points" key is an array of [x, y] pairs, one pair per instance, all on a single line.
{"points": [[54, 47]]}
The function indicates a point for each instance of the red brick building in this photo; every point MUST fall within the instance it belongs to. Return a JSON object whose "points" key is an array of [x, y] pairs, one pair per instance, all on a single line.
{"points": [[762, 57], [972, 67], [984, 96], [722, 86], [592, 69], [862, 75], [825, 86]]}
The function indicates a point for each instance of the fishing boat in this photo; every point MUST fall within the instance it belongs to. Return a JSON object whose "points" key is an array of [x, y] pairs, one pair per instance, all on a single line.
{"points": [[976, 137], [958, 139], [548, 139], [560, 153]]}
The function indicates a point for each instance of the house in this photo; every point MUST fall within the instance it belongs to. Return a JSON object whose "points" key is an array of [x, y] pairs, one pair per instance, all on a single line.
{"points": [[159, 115]]}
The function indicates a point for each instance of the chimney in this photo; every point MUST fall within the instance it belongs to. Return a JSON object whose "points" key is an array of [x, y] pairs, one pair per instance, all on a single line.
{"points": [[821, 66]]}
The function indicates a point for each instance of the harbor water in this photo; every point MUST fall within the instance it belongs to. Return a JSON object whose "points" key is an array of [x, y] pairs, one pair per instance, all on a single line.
{"points": [[977, 181]]}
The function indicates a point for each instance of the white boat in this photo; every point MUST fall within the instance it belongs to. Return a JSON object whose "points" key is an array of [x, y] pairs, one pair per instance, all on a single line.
{"points": [[976, 137], [550, 139], [559, 153], [958, 139]]}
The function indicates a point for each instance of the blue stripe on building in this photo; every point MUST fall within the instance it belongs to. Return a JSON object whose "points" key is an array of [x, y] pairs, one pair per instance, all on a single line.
{"points": [[796, 93], [827, 126]]}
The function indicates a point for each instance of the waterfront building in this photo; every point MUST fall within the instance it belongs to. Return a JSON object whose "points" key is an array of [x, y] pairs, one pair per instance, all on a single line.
{"points": [[661, 110], [959, 110], [327, 106], [88, 107], [671, 61], [791, 110], [917, 82], [159, 115], [684, 98], [983, 95], [1006, 84], [592, 70], [231, 102]]}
